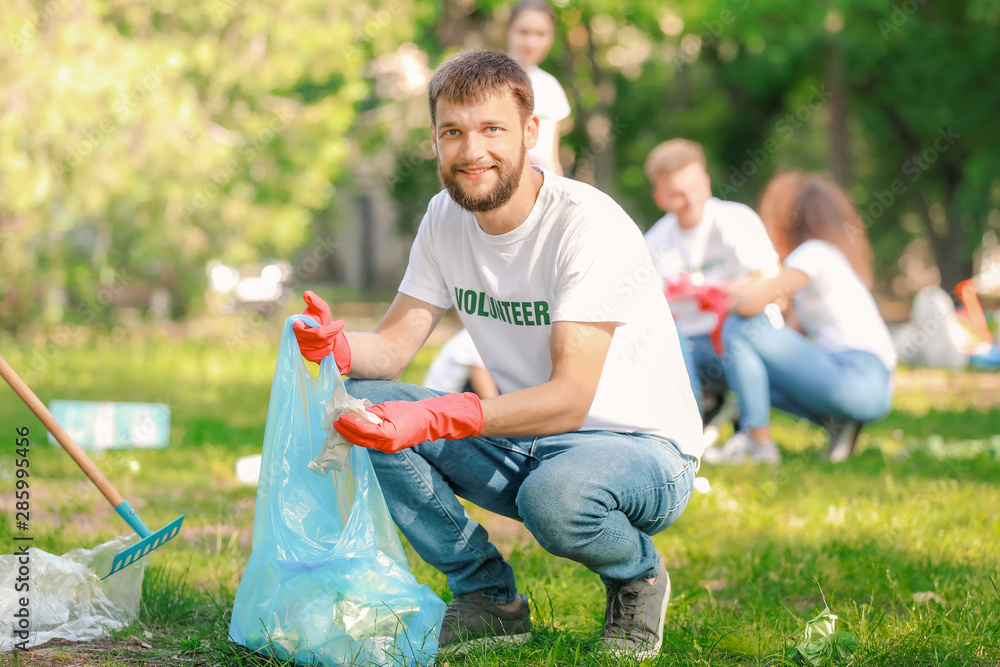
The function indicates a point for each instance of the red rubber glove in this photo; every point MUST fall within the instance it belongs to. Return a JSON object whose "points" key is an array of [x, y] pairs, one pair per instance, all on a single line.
{"points": [[681, 289], [316, 343], [714, 299], [408, 423]]}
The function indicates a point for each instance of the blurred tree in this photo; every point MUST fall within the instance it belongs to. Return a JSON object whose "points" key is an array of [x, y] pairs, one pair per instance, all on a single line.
{"points": [[857, 88], [138, 141], [921, 75], [909, 85]]}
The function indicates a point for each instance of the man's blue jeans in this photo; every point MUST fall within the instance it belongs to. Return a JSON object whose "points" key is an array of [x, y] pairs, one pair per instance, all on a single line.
{"points": [[780, 367], [594, 497]]}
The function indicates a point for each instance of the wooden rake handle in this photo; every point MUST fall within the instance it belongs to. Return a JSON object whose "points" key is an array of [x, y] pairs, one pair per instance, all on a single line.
{"points": [[73, 449]]}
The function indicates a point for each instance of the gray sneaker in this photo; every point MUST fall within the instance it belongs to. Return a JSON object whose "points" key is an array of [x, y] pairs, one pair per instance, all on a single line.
{"points": [[633, 617], [471, 621], [843, 439], [740, 449]]}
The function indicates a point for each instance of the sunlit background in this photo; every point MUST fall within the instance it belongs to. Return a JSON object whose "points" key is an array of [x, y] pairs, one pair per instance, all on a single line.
{"points": [[165, 160]]}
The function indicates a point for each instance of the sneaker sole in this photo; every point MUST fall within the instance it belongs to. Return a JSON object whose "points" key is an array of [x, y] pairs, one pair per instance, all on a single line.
{"points": [[461, 648]]}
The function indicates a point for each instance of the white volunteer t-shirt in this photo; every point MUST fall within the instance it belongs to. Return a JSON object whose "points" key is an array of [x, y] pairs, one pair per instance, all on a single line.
{"points": [[835, 309], [728, 244], [551, 106], [449, 371], [577, 257]]}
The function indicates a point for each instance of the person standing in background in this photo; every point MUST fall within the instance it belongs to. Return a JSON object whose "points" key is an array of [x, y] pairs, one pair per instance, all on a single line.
{"points": [[531, 29]]}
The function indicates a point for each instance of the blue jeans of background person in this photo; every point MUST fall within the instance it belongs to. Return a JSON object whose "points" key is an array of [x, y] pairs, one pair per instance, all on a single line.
{"points": [[780, 367], [704, 368], [707, 371], [594, 497]]}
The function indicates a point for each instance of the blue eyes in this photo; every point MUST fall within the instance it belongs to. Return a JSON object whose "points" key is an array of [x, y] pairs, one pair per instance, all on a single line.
{"points": [[490, 130]]}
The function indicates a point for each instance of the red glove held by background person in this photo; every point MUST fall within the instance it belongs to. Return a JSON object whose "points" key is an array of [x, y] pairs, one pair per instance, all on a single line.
{"points": [[714, 299], [316, 343], [408, 423], [681, 289]]}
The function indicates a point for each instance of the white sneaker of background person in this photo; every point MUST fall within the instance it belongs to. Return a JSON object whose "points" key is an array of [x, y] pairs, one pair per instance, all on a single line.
{"points": [[741, 448]]}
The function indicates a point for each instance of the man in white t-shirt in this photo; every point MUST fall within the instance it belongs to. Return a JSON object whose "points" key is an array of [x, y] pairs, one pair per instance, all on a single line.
{"points": [[595, 438], [707, 241], [458, 367]]}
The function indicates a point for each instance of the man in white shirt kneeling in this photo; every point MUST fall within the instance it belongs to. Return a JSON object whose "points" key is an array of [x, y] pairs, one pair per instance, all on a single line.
{"points": [[707, 242], [594, 440]]}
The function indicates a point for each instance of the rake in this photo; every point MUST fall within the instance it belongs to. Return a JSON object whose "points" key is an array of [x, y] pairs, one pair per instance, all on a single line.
{"points": [[148, 540]]}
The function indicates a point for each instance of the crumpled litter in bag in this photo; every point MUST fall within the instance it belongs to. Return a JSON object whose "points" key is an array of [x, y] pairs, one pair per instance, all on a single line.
{"points": [[335, 449], [67, 598], [327, 581]]}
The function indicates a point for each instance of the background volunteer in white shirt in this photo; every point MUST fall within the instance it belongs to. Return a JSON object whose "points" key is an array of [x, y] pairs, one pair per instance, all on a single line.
{"points": [[595, 438], [713, 242], [531, 29], [840, 376], [458, 367]]}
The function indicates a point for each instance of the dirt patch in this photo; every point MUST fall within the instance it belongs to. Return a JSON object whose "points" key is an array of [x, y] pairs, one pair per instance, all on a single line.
{"points": [[61, 653], [981, 390]]}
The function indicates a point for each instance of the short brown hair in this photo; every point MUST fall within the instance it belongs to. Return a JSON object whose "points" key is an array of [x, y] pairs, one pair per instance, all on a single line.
{"points": [[471, 77], [673, 155], [797, 207], [531, 5]]}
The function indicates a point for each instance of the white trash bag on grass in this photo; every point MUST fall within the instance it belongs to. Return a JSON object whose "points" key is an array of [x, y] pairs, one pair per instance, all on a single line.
{"points": [[67, 599]]}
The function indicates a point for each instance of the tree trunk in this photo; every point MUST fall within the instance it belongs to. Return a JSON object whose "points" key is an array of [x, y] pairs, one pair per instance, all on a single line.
{"points": [[947, 248], [840, 154]]}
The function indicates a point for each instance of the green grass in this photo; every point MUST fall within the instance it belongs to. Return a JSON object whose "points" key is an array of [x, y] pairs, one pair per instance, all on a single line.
{"points": [[915, 513]]}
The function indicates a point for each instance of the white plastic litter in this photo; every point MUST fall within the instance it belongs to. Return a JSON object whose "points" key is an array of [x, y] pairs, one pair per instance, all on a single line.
{"points": [[66, 597], [931, 337], [335, 449], [710, 436], [248, 469]]}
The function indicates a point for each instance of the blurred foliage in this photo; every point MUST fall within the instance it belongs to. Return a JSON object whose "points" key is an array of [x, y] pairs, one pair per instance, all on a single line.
{"points": [[764, 86], [138, 140]]}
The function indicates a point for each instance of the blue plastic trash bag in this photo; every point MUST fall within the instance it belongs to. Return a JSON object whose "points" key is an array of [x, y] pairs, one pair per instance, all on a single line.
{"points": [[327, 582]]}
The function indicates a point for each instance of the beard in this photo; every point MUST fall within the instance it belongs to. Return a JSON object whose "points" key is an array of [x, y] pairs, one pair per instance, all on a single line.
{"points": [[509, 176]]}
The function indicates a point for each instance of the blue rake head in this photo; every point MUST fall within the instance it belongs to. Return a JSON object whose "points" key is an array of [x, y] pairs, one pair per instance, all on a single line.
{"points": [[148, 542]]}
